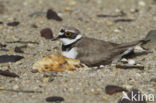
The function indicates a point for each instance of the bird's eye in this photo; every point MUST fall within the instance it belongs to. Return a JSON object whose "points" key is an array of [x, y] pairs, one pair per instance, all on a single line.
{"points": [[67, 34], [62, 30]]}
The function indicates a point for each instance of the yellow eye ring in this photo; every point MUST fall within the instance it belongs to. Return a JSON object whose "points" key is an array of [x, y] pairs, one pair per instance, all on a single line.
{"points": [[67, 34]]}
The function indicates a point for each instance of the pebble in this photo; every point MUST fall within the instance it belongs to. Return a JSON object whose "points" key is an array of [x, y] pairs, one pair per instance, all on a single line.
{"points": [[134, 10], [14, 23], [46, 33], [55, 99], [45, 79], [15, 87], [67, 9], [72, 3], [51, 14], [131, 62], [124, 60], [111, 89], [41, 22], [18, 50], [142, 3], [1, 22], [116, 30]]}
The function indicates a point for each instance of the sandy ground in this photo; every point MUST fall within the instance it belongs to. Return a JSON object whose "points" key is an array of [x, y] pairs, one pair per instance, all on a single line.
{"points": [[84, 86]]}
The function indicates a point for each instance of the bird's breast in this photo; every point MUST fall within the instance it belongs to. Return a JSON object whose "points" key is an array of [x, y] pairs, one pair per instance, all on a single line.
{"points": [[72, 53]]}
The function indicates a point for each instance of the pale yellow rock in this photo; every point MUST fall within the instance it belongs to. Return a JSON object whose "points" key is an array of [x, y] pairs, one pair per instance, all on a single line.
{"points": [[67, 9], [41, 22], [72, 3], [15, 87], [56, 63], [45, 79]]}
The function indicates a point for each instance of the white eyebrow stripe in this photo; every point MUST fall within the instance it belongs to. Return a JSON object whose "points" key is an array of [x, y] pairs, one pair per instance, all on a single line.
{"points": [[60, 33], [70, 31]]}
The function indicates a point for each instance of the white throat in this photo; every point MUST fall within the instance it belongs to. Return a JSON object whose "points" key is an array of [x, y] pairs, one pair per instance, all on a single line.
{"points": [[66, 41], [71, 53]]}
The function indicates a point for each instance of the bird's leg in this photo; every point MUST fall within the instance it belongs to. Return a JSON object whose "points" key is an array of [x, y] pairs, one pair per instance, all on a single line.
{"points": [[118, 58]]}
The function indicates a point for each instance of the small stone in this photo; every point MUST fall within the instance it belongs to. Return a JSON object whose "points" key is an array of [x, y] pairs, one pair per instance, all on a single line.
{"points": [[34, 26], [54, 99], [45, 79], [116, 30], [101, 66], [1, 22], [27, 81], [15, 23], [46, 33], [124, 60], [41, 22], [15, 87], [142, 3], [18, 50], [72, 3], [105, 98], [67, 9], [131, 62], [51, 14], [111, 89], [134, 10]]}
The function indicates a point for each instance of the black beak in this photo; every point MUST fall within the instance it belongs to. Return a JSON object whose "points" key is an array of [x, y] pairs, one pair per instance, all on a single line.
{"points": [[56, 38]]}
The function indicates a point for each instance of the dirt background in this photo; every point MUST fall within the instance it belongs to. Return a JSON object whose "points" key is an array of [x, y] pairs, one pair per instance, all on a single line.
{"points": [[83, 86]]}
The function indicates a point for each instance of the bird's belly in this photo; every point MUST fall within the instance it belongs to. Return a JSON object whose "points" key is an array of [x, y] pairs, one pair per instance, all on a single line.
{"points": [[71, 53]]}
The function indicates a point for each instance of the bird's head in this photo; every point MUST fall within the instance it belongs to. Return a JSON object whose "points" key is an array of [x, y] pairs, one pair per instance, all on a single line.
{"points": [[68, 35]]}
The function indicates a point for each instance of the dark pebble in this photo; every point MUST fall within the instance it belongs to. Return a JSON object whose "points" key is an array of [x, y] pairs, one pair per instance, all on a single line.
{"points": [[51, 14], [34, 71], [2, 45], [111, 89], [8, 74], [15, 23], [18, 50], [34, 26], [46, 33], [10, 58], [137, 97], [54, 99], [1, 22]]}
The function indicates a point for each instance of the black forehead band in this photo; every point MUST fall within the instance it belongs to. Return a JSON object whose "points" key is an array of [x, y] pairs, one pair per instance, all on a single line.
{"points": [[62, 30]]}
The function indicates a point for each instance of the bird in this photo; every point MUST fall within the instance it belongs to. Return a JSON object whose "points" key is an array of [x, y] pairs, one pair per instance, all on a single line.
{"points": [[90, 51]]}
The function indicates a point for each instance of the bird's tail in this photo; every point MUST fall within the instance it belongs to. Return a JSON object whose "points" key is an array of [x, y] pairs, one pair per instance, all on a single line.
{"points": [[131, 44]]}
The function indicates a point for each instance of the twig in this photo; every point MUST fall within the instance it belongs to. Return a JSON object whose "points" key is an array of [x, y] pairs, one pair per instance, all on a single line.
{"points": [[23, 91], [127, 66], [23, 42], [123, 20]]}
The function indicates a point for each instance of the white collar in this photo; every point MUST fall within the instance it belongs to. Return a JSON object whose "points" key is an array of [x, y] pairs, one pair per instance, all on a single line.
{"points": [[66, 41]]}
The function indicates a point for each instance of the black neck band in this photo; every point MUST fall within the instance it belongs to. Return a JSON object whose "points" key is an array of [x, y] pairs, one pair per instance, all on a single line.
{"points": [[69, 46]]}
